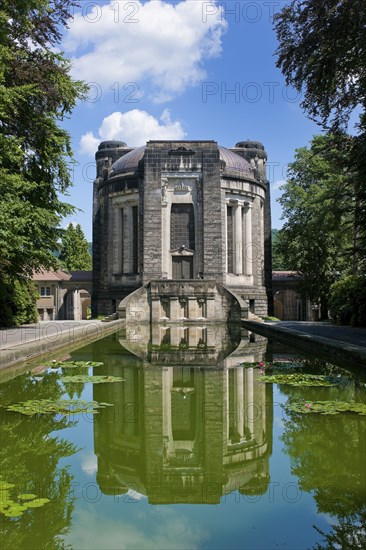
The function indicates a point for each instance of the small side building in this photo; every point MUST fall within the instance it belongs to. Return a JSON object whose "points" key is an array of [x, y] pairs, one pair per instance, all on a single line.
{"points": [[63, 295], [289, 305]]}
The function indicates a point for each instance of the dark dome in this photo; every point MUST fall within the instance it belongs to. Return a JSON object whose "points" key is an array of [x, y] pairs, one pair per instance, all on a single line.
{"points": [[235, 163], [129, 162], [111, 145], [232, 162]]}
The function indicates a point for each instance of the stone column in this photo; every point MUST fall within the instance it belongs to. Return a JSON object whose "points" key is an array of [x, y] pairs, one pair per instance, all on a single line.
{"points": [[127, 239], [77, 305], [248, 241], [249, 399], [117, 239], [238, 240], [239, 383]]}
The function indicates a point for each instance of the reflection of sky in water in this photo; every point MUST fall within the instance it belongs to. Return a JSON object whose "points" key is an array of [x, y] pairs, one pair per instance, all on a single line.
{"points": [[261, 505]]}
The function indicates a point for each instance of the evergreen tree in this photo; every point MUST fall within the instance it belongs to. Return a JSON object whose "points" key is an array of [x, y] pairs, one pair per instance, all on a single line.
{"points": [[75, 249], [36, 94]]}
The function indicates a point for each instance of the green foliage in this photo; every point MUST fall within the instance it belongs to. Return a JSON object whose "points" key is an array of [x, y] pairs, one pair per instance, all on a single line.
{"points": [[36, 94], [278, 261], [17, 301], [300, 379], [11, 508], [75, 249], [84, 378], [36, 446], [322, 51], [326, 407], [72, 364], [347, 300], [60, 406], [318, 205]]}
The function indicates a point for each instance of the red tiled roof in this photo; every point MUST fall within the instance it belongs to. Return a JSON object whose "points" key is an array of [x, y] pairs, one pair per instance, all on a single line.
{"points": [[45, 275]]}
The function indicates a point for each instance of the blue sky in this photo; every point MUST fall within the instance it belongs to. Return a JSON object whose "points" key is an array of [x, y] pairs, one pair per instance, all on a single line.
{"points": [[189, 69]]}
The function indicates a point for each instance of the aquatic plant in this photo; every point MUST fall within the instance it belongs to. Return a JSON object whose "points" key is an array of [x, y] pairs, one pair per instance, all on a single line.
{"points": [[300, 379], [84, 378], [326, 407], [12, 508], [267, 365], [72, 364], [59, 406]]}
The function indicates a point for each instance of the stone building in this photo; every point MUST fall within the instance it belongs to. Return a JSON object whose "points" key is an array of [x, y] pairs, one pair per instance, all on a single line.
{"points": [[181, 231], [289, 304], [62, 295]]}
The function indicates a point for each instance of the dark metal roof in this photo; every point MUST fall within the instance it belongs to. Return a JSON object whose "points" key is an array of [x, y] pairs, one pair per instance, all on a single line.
{"points": [[232, 162], [235, 163], [128, 163]]}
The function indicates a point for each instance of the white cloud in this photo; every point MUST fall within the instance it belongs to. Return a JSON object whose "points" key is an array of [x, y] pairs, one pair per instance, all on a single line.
{"points": [[89, 464], [134, 127], [88, 143], [128, 42], [161, 529], [135, 495]]}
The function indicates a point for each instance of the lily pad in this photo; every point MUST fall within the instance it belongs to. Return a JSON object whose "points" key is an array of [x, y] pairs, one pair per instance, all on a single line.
{"points": [[12, 514], [5, 485], [27, 496], [37, 503], [300, 379], [11, 508], [326, 407], [73, 364], [81, 378], [59, 406]]}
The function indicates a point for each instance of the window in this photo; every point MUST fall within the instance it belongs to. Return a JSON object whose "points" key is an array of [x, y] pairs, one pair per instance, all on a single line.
{"points": [[45, 291], [182, 226]]}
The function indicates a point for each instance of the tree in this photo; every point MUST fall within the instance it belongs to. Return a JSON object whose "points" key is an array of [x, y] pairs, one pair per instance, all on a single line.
{"points": [[36, 94], [322, 53], [317, 202], [75, 249], [278, 262]]}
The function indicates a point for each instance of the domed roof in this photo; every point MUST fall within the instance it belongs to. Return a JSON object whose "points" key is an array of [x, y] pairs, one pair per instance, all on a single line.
{"points": [[232, 162], [129, 162], [235, 163]]}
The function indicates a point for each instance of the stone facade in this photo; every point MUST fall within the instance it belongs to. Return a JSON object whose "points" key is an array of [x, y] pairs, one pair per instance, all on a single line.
{"points": [[178, 211]]}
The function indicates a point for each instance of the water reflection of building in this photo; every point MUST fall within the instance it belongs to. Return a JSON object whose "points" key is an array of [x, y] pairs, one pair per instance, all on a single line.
{"points": [[183, 433]]}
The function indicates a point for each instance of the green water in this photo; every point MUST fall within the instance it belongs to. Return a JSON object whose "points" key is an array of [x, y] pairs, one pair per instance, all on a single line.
{"points": [[196, 452]]}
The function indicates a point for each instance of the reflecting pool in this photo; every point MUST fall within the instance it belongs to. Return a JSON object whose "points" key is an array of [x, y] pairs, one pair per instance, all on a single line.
{"points": [[192, 449]]}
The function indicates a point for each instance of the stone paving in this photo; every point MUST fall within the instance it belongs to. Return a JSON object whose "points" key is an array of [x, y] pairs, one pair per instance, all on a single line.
{"points": [[338, 342], [351, 335], [28, 341]]}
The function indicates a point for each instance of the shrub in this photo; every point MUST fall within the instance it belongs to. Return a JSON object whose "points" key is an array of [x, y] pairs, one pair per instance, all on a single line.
{"points": [[17, 301], [347, 300]]}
